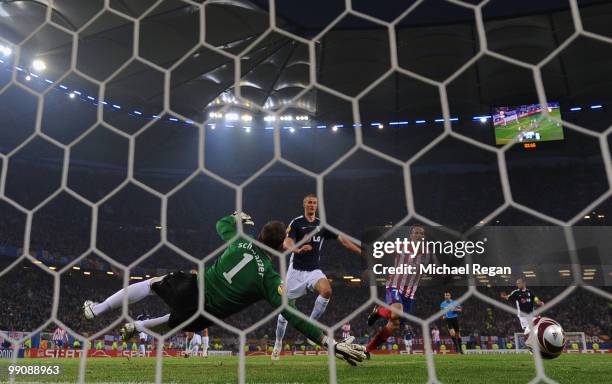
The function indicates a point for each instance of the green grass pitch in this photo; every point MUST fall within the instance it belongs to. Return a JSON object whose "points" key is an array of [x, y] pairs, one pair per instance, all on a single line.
{"points": [[569, 368], [548, 129]]}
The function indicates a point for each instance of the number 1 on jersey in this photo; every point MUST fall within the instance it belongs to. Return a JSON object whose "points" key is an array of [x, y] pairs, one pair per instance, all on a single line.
{"points": [[246, 257]]}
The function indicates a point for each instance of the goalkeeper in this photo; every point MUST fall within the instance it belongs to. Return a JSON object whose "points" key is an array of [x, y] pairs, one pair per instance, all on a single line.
{"points": [[241, 276]]}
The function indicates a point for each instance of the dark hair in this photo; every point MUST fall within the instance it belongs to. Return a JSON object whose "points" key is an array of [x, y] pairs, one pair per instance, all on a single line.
{"points": [[273, 234]]}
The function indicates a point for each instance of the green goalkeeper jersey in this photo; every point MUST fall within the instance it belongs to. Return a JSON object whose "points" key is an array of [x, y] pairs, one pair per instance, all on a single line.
{"points": [[244, 275]]}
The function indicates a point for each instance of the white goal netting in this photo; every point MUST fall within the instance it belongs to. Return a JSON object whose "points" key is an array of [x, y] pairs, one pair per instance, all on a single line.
{"points": [[26, 77]]}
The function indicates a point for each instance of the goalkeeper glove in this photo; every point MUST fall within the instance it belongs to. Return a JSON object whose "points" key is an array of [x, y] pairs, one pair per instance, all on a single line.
{"points": [[245, 218], [346, 349]]}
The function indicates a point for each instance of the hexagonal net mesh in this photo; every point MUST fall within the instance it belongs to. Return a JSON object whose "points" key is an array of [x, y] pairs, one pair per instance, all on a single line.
{"points": [[136, 100]]}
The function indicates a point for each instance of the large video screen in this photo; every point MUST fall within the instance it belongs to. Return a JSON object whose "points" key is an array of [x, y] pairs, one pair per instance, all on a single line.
{"points": [[526, 122]]}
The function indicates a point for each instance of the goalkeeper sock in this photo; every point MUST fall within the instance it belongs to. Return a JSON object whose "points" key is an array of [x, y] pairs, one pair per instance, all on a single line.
{"points": [[384, 312], [281, 326], [379, 338], [135, 292], [319, 307], [140, 325]]}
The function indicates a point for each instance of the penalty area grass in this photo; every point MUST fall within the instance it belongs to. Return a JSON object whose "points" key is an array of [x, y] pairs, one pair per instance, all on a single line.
{"points": [[568, 368]]}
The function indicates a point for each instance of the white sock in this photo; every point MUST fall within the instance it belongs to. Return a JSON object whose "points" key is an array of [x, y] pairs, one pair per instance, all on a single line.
{"points": [[205, 343], [319, 307], [135, 292], [281, 326], [151, 323]]}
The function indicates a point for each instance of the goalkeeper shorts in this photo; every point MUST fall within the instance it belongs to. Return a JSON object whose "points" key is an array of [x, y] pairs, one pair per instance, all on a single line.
{"points": [[179, 290]]}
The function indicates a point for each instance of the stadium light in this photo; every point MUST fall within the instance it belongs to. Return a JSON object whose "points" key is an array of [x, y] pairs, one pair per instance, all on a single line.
{"points": [[483, 119], [247, 129], [110, 273], [28, 78], [247, 117], [231, 116], [292, 130], [356, 280], [348, 277], [39, 65], [76, 268], [420, 121], [596, 106], [575, 109], [270, 118], [87, 273], [398, 123], [335, 128], [71, 95], [6, 51]]}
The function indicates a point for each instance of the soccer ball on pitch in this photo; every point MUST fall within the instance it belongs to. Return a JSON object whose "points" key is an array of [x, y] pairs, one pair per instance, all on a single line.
{"points": [[549, 335]]}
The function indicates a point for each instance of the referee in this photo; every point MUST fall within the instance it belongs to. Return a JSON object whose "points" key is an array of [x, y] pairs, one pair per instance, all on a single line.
{"points": [[451, 310]]}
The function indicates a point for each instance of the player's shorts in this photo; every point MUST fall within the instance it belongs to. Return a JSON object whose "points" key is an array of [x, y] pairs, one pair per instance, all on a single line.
{"points": [[408, 341], [524, 322], [299, 282], [394, 296], [180, 290], [59, 343], [452, 323]]}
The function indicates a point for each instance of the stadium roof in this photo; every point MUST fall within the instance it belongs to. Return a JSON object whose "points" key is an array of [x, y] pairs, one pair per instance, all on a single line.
{"points": [[434, 40]]}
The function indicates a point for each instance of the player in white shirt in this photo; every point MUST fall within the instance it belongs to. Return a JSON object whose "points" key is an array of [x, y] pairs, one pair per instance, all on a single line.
{"points": [[205, 341], [435, 337], [194, 344]]}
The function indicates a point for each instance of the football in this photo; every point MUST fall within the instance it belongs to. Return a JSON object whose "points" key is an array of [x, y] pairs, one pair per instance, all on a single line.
{"points": [[549, 336]]}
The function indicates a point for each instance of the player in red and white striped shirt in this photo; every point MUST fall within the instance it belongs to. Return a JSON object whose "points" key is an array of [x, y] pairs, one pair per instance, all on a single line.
{"points": [[59, 337], [346, 331], [400, 291]]}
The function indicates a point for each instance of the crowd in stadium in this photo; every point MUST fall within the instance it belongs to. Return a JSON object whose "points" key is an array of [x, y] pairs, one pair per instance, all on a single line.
{"points": [[30, 307], [128, 227]]}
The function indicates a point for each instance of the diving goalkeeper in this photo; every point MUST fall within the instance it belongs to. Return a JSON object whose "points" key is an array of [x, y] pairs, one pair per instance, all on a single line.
{"points": [[241, 276]]}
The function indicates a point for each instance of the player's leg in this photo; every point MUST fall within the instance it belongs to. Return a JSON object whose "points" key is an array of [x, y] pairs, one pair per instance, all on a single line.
{"points": [[383, 334], [323, 287], [524, 323], [142, 347], [205, 342], [194, 350], [295, 288], [134, 292], [158, 324], [380, 312], [453, 334]]}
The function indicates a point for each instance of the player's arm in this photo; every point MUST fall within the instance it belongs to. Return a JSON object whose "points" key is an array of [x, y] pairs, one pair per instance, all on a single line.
{"points": [[226, 227], [538, 302], [349, 244], [346, 243], [289, 242], [512, 296]]}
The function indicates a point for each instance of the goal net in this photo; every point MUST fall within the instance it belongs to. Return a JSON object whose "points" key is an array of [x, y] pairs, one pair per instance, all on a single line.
{"points": [[128, 128]]}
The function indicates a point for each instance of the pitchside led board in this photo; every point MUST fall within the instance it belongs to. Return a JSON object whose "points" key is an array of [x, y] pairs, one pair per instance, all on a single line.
{"points": [[527, 123]]}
